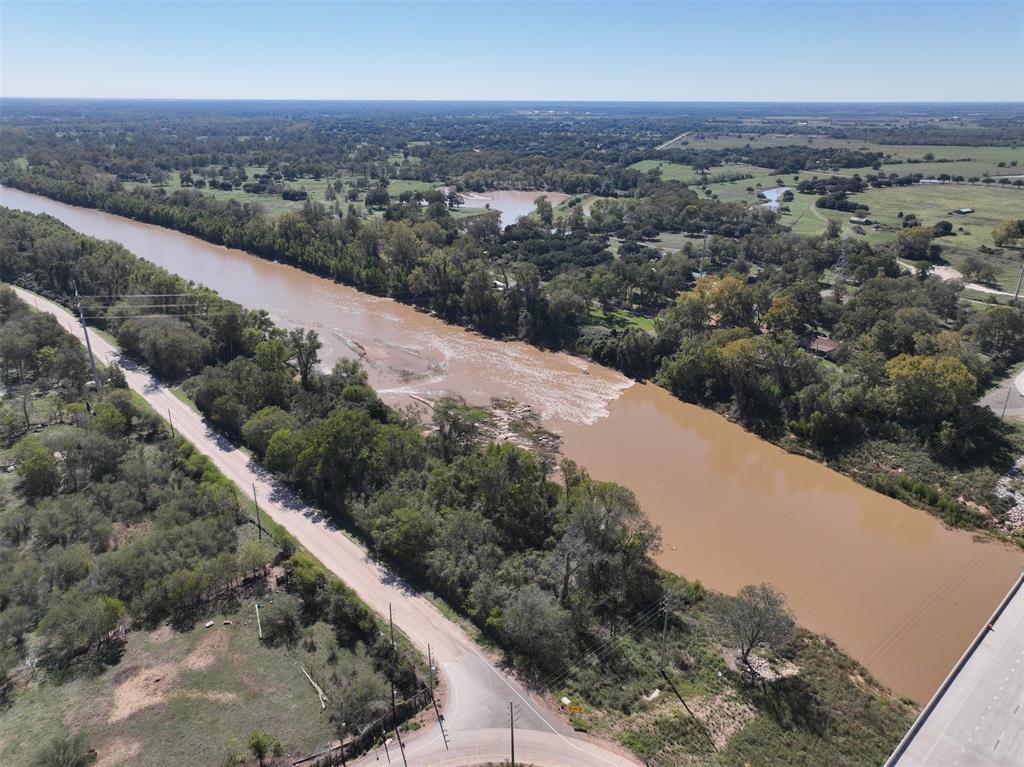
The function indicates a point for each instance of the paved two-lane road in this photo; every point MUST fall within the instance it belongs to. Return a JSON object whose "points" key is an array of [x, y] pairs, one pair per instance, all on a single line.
{"points": [[478, 692]]}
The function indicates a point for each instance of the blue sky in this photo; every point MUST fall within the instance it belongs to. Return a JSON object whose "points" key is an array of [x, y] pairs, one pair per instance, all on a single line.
{"points": [[826, 50]]}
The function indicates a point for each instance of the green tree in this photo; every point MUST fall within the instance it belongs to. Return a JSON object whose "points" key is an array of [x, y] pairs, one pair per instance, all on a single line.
{"points": [[305, 348], [537, 628], [283, 451], [733, 302], [999, 333], [782, 315], [37, 468], [261, 745], [254, 556], [543, 210], [758, 615], [914, 243], [76, 624], [976, 268], [403, 536], [281, 620], [261, 426], [924, 390], [457, 426], [1009, 233]]}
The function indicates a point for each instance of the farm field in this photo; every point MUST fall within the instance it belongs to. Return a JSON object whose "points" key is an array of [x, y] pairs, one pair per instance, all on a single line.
{"points": [[991, 154], [965, 168], [931, 204]]}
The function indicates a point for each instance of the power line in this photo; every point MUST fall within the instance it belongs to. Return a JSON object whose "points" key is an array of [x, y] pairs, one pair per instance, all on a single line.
{"points": [[649, 616], [145, 295], [599, 650], [88, 343]]}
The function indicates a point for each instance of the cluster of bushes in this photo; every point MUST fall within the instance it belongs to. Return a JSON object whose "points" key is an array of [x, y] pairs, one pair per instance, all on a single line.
{"points": [[111, 518], [113, 522]]}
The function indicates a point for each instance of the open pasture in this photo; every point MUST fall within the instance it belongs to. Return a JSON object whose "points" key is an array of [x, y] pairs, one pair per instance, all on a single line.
{"points": [[181, 698]]}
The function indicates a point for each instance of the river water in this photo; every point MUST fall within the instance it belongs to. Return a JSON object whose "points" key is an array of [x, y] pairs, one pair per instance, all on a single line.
{"points": [[897, 590]]}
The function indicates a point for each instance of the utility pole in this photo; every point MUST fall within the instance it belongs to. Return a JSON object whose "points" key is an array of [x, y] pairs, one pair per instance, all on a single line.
{"points": [[401, 745], [394, 653], [664, 633], [88, 344], [512, 731], [259, 524], [1016, 293], [330, 757], [430, 689], [170, 421]]}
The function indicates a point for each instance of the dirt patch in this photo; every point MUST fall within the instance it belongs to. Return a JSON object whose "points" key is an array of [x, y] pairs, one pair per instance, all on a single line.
{"points": [[161, 634], [209, 649], [147, 688], [723, 716], [116, 751]]}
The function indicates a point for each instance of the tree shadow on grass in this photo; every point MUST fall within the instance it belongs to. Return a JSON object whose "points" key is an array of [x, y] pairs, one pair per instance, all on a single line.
{"points": [[791, 703]]}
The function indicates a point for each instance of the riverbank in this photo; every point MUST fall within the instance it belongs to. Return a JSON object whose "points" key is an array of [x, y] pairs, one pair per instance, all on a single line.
{"points": [[611, 699], [952, 494], [734, 509]]}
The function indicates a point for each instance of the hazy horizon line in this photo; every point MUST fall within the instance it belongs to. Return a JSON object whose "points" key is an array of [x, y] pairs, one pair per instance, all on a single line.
{"points": [[394, 100]]}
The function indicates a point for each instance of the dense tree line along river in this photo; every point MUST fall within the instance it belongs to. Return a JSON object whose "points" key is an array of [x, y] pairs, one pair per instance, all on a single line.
{"points": [[898, 591]]}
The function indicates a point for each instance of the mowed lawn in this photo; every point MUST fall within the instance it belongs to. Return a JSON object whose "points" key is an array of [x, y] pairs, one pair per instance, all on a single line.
{"points": [[397, 186], [181, 698]]}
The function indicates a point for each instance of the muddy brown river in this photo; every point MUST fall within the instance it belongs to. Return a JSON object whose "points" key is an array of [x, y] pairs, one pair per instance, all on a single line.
{"points": [[897, 590]]}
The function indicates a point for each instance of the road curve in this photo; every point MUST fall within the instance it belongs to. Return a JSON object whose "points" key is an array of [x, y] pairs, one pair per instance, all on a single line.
{"points": [[478, 691]]}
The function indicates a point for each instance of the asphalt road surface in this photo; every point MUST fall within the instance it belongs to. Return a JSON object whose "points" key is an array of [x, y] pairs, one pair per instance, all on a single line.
{"points": [[478, 692], [1007, 398]]}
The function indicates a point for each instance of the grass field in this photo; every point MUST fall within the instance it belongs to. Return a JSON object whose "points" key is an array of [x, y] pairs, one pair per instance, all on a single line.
{"points": [[397, 186], [621, 319], [275, 206], [272, 204], [733, 191], [175, 697], [181, 698], [991, 154], [931, 204], [674, 171], [674, 241]]}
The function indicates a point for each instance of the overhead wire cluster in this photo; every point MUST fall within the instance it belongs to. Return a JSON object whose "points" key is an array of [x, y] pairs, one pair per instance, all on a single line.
{"points": [[139, 305]]}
